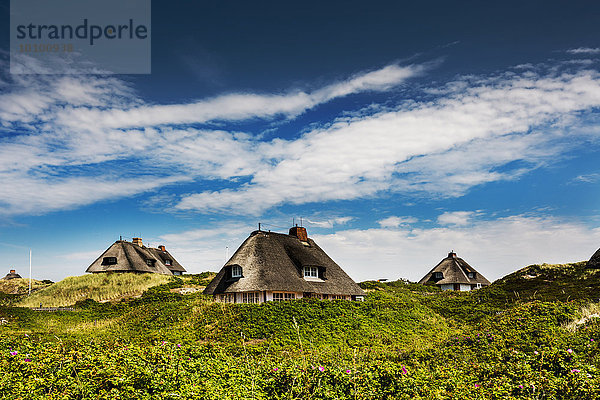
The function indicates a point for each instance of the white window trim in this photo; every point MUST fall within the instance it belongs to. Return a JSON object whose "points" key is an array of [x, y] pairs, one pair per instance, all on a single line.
{"points": [[311, 272], [236, 271]]}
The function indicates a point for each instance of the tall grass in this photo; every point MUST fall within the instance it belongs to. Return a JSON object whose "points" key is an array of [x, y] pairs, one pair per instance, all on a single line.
{"points": [[99, 287], [20, 285]]}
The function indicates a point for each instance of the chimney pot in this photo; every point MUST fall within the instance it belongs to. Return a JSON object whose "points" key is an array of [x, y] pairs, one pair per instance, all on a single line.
{"points": [[137, 241], [299, 232], [12, 271], [162, 248], [452, 254]]}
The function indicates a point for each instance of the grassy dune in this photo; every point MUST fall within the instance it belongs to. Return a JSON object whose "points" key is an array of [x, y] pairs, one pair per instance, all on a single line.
{"points": [[99, 287], [20, 285]]}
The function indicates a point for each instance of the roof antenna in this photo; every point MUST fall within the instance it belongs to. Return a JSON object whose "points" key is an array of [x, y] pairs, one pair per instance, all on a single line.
{"points": [[259, 226]]}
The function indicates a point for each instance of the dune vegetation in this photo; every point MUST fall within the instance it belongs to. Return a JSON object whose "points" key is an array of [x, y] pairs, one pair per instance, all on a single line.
{"points": [[98, 287], [405, 341]]}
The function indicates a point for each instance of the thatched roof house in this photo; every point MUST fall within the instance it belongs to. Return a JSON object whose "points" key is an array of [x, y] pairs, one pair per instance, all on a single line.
{"points": [[124, 256], [453, 273], [12, 275], [594, 262], [272, 266]]}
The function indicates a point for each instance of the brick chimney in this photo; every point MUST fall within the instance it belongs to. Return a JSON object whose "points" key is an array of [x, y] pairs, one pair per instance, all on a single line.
{"points": [[162, 248], [299, 232], [137, 241], [452, 254], [12, 271]]}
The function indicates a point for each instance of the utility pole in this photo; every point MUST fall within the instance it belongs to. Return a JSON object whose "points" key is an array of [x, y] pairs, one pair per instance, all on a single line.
{"points": [[29, 271]]}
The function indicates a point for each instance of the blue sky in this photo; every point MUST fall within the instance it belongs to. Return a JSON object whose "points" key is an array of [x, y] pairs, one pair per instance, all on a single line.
{"points": [[396, 131]]}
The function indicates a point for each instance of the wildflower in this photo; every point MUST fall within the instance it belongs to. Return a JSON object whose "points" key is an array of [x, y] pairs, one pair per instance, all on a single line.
{"points": [[163, 342], [321, 369], [536, 352], [575, 371], [348, 371], [569, 351], [14, 353], [404, 371], [178, 345], [275, 369], [27, 360], [476, 385], [520, 386]]}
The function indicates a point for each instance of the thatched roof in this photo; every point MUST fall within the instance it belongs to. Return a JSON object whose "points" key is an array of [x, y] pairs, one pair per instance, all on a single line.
{"points": [[454, 270], [124, 256], [594, 262], [275, 261], [12, 275]]}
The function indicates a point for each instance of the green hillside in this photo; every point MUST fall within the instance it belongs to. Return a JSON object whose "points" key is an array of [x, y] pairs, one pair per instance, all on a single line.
{"points": [[98, 287], [507, 341]]}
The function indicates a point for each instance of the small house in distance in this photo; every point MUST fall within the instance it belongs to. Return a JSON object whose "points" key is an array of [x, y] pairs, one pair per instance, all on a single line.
{"points": [[12, 275], [124, 256], [453, 273], [594, 262], [272, 266]]}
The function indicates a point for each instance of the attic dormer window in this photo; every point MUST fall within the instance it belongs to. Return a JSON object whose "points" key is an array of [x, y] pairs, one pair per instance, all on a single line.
{"points": [[168, 262], [109, 260], [438, 275], [471, 275], [311, 272], [150, 262], [236, 271]]}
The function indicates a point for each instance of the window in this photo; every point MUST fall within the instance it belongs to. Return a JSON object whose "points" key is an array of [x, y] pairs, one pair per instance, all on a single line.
{"points": [[278, 296], [150, 262], [236, 271], [227, 298], [338, 297], [250, 297], [471, 275], [109, 260], [438, 275], [168, 262], [311, 272]]}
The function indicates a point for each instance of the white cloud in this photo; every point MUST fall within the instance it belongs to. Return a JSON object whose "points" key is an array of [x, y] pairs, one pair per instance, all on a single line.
{"points": [[441, 147], [494, 247], [587, 178], [329, 223], [460, 218], [206, 249], [237, 106], [394, 222], [584, 50], [77, 129]]}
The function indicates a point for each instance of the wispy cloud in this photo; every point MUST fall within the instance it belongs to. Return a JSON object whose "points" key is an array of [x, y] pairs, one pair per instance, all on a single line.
{"points": [[584, 50], [456, 218], [441, 147], [238, 106], [72, 141], [395, 222], [587, 178]]}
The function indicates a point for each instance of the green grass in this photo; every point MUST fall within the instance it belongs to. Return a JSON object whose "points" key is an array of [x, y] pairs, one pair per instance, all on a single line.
{"points": [[98, 287], [524, 337], [21, 285]]}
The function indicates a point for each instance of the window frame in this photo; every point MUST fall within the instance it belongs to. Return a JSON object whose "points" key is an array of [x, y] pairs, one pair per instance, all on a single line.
{"points": [[310, 271], [250, 297], [236, 271], [438, 275]]}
